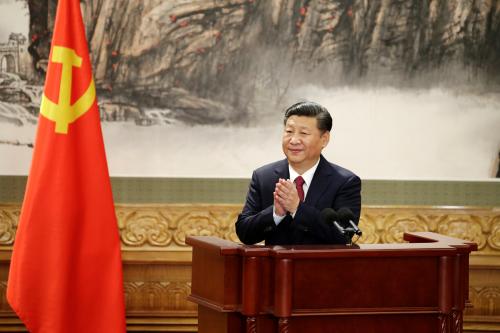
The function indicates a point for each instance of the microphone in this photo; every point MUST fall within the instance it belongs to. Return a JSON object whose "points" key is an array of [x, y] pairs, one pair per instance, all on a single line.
{"points": [[345, 216], [329, 216]]}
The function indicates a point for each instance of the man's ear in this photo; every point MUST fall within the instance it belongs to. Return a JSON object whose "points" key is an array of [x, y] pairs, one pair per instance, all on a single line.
{"points": [[325, 138]]}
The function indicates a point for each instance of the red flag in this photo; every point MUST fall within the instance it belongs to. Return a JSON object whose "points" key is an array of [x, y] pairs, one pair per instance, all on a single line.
{"points": [[66, 270]]}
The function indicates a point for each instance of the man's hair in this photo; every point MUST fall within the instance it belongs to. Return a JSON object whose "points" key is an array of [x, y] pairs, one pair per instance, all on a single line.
{"points": [[311, 109]]}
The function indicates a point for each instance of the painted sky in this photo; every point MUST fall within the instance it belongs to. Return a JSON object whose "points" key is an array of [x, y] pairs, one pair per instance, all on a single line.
{"points": [[14, 17]]}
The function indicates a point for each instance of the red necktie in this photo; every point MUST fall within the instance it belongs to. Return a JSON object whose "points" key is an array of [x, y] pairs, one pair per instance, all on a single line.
{"points": [[299, 183]]}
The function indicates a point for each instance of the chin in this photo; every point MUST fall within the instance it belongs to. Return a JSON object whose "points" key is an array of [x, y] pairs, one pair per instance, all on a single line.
{"points": [[294, 159], [295, 156]]}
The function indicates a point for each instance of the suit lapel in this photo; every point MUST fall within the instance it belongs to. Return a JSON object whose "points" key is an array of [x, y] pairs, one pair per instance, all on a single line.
{"points": [[319, 183], [281, 170]]}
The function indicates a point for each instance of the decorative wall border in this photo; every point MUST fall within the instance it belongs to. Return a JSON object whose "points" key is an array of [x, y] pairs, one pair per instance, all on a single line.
{"points": [[165, 226]]}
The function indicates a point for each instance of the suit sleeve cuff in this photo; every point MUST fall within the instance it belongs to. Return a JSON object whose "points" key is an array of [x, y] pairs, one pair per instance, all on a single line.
{"points": [[277, 218]]}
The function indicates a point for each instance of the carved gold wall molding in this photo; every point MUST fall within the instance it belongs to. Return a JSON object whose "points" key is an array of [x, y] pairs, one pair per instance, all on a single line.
{"points": [[486, 301], [165, 226], [387, 224], [157, 296], [168, 225], [9, 215]]}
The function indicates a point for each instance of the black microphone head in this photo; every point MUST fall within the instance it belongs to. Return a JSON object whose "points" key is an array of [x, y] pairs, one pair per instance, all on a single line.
{"points": [[345, 215], [328, 215]]}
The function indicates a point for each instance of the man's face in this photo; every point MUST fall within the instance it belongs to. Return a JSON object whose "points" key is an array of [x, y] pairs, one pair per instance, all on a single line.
{"points": [[303, 142]]}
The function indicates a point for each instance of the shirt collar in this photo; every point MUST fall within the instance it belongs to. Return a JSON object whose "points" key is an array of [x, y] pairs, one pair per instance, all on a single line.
{"points": [[307, 176]]}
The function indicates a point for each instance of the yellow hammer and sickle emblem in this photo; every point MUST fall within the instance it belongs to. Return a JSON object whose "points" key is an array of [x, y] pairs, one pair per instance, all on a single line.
{"points": [[63, 113]]}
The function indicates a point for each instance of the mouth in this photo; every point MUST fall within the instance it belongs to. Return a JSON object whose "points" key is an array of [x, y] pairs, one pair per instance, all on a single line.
{"points": [[294, 151]]}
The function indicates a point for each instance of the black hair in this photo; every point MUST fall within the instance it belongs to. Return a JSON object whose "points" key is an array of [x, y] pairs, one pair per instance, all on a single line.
{"points": [[311, 109]]}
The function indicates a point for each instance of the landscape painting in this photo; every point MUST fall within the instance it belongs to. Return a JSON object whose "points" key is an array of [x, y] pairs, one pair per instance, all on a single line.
{"points": [[196, 88]]}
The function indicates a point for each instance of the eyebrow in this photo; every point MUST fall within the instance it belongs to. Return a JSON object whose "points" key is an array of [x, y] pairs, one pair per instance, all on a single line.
{"points": [[299, 127]]}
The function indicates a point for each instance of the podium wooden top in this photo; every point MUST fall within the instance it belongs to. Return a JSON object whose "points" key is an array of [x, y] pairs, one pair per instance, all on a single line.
{"points": [[420, 244]]}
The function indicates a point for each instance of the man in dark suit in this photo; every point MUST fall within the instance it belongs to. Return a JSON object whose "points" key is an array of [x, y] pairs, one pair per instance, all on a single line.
{"points": [[285, 198]]}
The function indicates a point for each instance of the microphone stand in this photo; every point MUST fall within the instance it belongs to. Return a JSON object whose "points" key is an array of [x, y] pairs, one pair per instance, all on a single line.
{"points": [[348, 233]]}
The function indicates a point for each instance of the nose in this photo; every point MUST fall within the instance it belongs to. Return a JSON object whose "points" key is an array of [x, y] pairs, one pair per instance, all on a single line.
{"points": [[294, 140]]}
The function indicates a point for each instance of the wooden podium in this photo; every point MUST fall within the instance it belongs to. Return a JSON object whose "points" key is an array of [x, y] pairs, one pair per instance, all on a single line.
{"points": [[420, 286]]}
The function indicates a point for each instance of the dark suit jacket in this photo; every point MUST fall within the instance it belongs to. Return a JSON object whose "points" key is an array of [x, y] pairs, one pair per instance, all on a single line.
{"points": [[332, 186]]}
